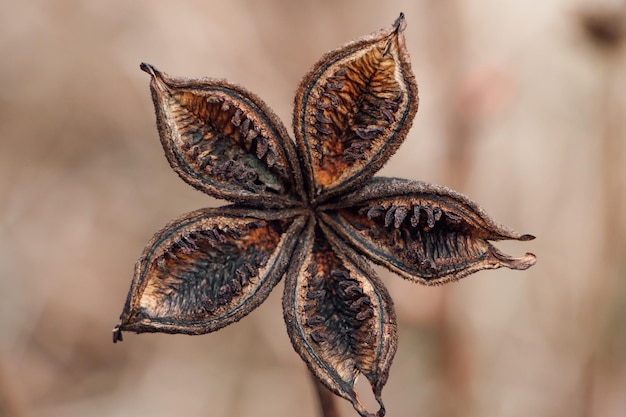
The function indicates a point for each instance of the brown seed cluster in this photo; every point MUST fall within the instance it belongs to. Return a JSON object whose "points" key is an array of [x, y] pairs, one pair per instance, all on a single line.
{"points": [[307, 211]]}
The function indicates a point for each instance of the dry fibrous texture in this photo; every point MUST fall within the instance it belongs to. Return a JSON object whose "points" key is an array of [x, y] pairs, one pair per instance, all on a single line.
{"points": [[308, 211]]}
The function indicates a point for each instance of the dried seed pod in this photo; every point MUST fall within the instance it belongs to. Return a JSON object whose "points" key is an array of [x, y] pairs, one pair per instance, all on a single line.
{"points": [[310, 220], [446, 238], [197, 275], [353, 110], [225, 141], [339, 317]]}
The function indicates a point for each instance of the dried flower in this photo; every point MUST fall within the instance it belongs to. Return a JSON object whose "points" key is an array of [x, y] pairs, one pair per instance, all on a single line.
{"points": [[308, 211]]}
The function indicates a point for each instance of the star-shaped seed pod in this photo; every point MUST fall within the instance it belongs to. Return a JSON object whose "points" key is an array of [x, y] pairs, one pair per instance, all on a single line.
{"points": [[308, 211]]}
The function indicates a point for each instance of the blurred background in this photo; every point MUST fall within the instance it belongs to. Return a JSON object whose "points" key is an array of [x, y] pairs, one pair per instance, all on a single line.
{"points": [[523, 108]]}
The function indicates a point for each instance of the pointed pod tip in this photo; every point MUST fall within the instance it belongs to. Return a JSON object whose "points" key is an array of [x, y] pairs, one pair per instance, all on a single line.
{"points": [[381, 410], [520, 264], [525, 262], [358, 406], [400, 23], [148, 68], [364, 413], [117, 334], [526, 237], [528, 260]]}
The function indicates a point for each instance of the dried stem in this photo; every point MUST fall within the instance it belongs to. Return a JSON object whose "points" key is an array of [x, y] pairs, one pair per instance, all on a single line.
{"points": [[606, 29], [328, 407], [10, 403], [459, 139]]}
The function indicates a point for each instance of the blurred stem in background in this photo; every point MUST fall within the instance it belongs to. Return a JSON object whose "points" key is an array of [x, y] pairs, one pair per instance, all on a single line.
{"points": [[327, 404], [604, 25], [11, 405], [448, 54]]}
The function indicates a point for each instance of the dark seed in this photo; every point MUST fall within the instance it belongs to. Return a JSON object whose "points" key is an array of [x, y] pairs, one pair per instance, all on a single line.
{"points": [[390, 215], [317, 337], [334, 100], [365, 314], [311, 269], [225, 294], [263, 260], [415, 218], [323, 128], [437, 213], [315, 320], [337, 85], [194, 139], [258, 224], [236, 119], [360, 302], [430, 221], [387, 114], [220, 237], [346, 283], [375, 212], [245, 127], [209, 306], [315, 294], [354, 290], [261, 147], [243, 278], [322, 105], [236, 285], [251, 269], [271, 157], [452, 217], [321, 118], [369, 132], [340, 273], [399, 216]]}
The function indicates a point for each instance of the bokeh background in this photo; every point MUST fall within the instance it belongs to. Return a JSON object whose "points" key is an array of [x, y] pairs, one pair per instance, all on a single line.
{"points": [[523, 108]]}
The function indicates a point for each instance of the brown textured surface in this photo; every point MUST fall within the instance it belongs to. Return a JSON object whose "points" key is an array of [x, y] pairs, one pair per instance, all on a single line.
{"points": [[211, 267], [224, 140], [84, 184], [353, 109], [340, 317], [429, 234]]}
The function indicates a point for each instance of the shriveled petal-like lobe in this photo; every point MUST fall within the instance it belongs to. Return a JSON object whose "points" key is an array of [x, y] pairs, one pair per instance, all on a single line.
{"points": [[339, 316], [426, 233], [353, 110], [225, 141], [207, 269]]}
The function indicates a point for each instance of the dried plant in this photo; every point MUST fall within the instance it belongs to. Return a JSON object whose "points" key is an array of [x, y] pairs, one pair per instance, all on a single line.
{"points": [[308, 211]]}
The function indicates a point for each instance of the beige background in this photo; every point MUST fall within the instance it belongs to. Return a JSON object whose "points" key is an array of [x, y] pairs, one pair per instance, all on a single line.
{"points": [[520, 109]]}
